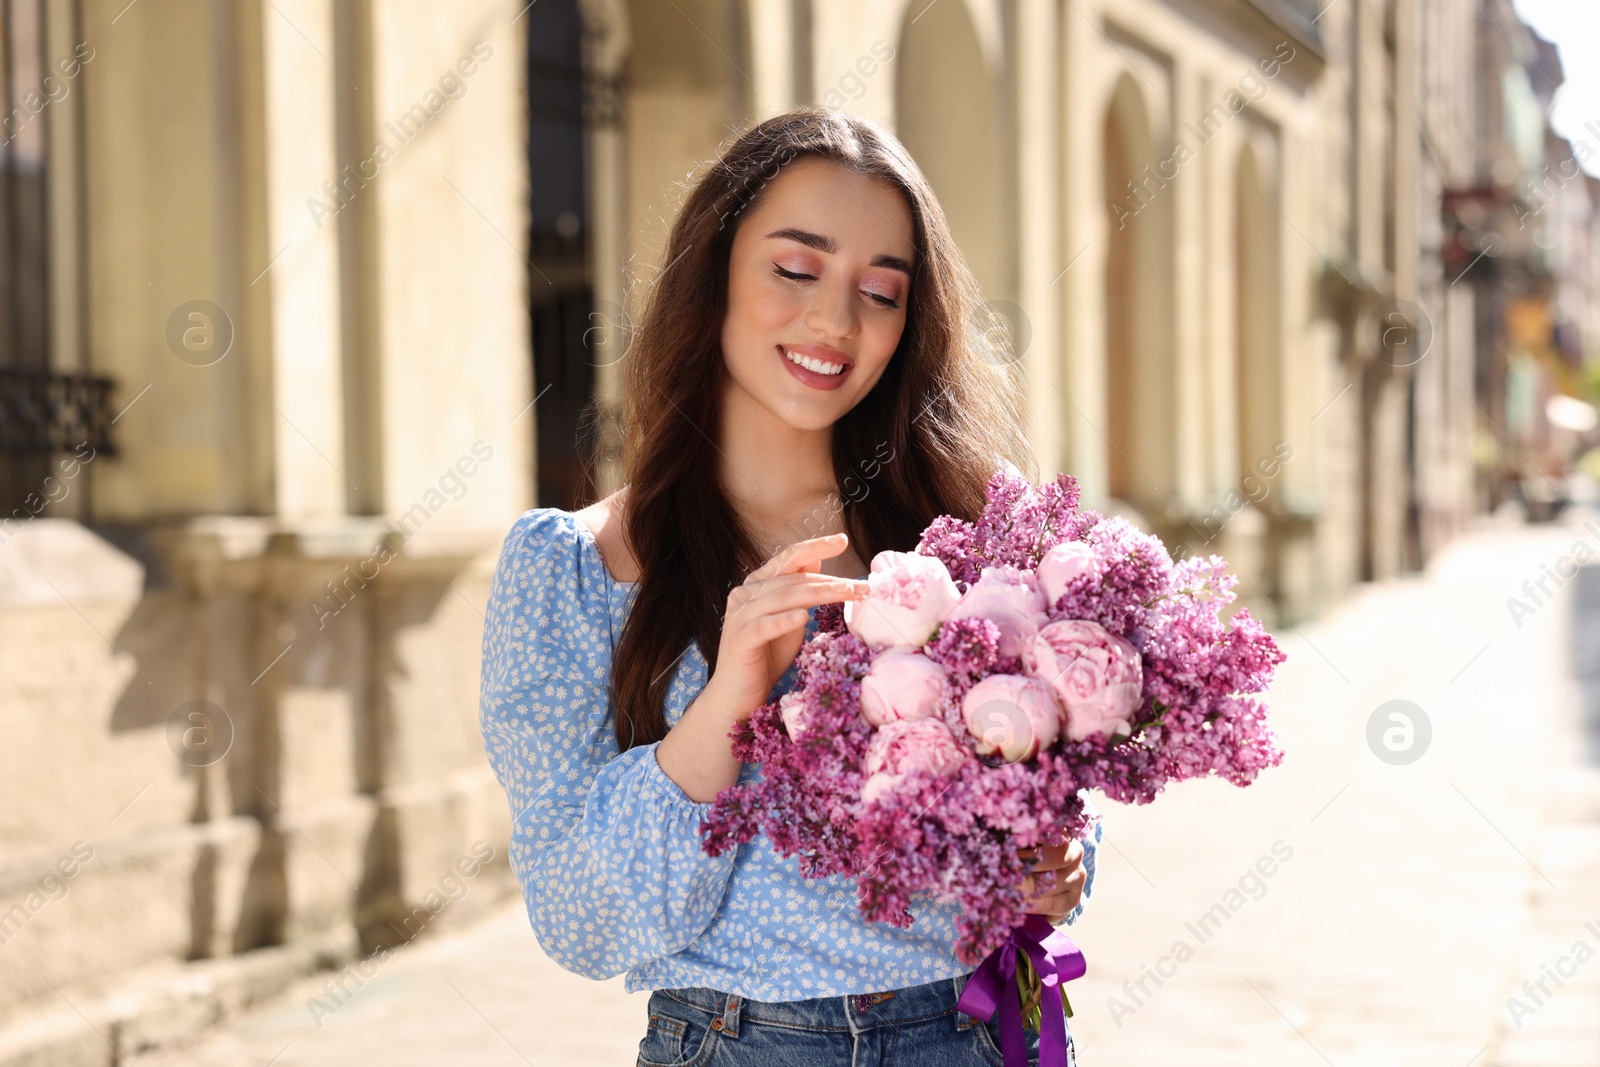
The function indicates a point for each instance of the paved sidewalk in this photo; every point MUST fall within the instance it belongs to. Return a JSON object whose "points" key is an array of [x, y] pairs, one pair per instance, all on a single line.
{"points": [[488, 997], [1403, 906], [1397, 929]]}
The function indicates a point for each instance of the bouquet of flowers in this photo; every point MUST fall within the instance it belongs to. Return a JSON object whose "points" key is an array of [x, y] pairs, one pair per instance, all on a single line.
{"points": [[943, 726]]}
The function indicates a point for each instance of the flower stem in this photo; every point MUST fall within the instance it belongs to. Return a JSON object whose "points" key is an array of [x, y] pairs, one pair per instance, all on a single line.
{"points": [[1030, 994]]}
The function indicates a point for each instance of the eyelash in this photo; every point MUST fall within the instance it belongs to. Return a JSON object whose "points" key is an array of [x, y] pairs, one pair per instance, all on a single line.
{"points": [[883, 301]]}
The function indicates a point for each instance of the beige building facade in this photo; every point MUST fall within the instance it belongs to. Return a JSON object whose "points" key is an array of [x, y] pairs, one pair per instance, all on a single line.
{"points": [[1197, 220], [240, 630], [342, 288]]}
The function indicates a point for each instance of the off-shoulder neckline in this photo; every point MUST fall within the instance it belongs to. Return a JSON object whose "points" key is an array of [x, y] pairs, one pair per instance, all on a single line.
{"points": [[594, 546]]}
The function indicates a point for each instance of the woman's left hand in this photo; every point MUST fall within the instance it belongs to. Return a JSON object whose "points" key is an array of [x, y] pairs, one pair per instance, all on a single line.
{"points": [[1067, 861]]}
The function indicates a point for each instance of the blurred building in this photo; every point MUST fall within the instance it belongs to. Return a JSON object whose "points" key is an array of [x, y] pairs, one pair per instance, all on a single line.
{"points": [[1515, 271], [1197, 220], [266, 419], [304, 301]]}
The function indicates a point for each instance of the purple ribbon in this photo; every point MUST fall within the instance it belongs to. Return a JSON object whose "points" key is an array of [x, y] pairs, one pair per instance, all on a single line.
{"points": [[994, 986]]}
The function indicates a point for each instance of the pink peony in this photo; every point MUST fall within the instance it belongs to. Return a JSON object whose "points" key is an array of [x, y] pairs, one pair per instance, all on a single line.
{"points": [[906, 745], [902, 684], [878, 784], [915, 834], [1012, 715], [789, 706], [1059, 566], [908, 596], [1096, 675], [1009, 598]]}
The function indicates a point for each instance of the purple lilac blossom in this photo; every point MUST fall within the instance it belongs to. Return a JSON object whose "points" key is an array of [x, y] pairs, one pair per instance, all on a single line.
{"points": [[958, 837]]}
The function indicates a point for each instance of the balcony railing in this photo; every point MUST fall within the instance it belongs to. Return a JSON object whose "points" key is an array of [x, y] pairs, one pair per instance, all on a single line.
{"points": [[42, 412]]}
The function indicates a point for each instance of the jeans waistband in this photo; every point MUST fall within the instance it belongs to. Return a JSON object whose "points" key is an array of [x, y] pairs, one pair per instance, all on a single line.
{"points": [[852, 1012]]}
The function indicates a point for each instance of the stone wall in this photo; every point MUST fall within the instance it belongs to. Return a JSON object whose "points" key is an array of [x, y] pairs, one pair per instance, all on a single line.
{"points": [[241, 650], [197, 769]]}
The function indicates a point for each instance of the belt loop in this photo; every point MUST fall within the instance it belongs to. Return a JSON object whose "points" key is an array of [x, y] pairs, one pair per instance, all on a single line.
{"points": [[730, 1015], [957, 987]]}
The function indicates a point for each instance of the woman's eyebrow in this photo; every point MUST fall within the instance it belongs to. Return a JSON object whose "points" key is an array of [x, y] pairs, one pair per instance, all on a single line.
{"points": [[827, 244]]}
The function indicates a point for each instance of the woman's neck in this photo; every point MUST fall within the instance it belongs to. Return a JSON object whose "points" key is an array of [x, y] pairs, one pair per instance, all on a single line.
{"points": [[780, 480]]}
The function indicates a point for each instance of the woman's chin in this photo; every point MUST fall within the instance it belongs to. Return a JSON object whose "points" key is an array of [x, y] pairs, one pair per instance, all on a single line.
{"points": [[799, 407], [808, 420]]}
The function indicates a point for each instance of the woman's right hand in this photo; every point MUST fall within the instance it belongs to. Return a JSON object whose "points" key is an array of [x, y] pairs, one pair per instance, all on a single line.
{"points": [[765, 621]]}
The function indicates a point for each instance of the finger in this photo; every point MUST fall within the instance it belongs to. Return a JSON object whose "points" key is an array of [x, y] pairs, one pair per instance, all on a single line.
{"points": [[1054, 912], [1050, 856], [1063, 883], [793, 591], [1059, 903], [770, 626], [752, 586], [1063, 851], [1066, 896], [1057, 856], [802, 555]]}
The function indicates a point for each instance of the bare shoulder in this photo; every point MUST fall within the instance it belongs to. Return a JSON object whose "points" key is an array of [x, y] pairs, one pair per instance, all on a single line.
{"points": [[607, 518]]}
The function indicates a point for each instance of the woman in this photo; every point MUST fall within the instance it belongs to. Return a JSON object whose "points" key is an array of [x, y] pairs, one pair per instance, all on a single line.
{"points": [[812, 334]]}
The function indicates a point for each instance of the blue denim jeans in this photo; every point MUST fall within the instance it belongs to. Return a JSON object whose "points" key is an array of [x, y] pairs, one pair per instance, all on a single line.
{"points": [[918, 1026]]}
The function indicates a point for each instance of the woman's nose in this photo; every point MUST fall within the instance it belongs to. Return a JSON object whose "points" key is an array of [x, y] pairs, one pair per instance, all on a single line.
{"points": [[832, 313]]}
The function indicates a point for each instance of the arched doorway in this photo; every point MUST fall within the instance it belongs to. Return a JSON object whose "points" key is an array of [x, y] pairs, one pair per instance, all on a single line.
{"points": [[947, 115], [1258, 373], [1140, 386]]}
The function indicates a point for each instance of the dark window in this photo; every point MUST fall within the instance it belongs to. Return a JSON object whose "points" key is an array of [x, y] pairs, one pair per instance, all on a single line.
{"points": [[41, 412], [560, 291], [24, 299]]}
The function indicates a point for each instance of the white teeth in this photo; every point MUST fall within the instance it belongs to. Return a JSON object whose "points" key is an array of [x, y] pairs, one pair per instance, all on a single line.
{"points": [[816, 365]]}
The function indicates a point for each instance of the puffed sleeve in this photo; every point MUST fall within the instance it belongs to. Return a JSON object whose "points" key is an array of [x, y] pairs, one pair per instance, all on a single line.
{"points": [[605, 845], [1091, 847]]}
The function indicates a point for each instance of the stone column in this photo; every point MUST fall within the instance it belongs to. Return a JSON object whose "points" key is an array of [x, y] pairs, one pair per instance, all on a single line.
{"points": [[306, 390], [449, 284], [1041, 258]]}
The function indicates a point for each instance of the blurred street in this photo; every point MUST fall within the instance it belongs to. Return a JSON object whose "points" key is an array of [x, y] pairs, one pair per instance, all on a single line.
{"points": [[1415, 899], [304, 305]]}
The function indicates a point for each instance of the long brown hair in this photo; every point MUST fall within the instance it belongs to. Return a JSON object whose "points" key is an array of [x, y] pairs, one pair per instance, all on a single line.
{"points": [[949, 406]]}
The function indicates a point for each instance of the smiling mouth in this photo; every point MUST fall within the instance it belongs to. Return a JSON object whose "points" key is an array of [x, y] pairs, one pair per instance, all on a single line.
{"points": [[815, 366]]}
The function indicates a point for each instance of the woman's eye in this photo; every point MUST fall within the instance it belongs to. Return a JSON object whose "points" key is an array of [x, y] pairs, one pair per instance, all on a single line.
{"points": [[883, 301]]}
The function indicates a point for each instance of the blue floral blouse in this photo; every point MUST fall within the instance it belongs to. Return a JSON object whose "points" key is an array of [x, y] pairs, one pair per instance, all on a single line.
{"points": [[607, 847]]}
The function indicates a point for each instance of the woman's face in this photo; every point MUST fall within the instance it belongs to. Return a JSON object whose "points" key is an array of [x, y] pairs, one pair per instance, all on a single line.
{"points": [[820, 272]]}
